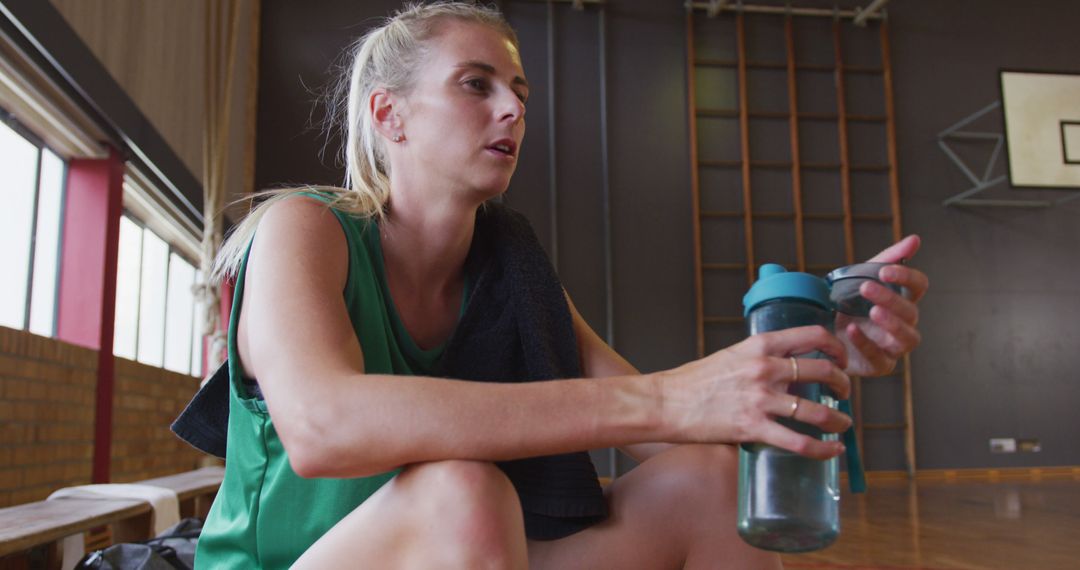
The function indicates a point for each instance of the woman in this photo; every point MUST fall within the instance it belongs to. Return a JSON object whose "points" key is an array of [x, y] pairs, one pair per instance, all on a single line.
{"points": [[370, 461]]}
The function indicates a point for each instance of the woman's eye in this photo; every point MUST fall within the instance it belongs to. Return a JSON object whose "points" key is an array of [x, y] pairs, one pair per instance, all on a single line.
{"points": [[476, 83]]}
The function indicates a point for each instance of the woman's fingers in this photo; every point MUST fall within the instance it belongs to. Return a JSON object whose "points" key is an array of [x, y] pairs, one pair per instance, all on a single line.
{"points": [[775, 434], [900, 338], [886, 298], [889, 329], [800, 340], [752, 378], [915, 281], [809, 412], [806, 370], [899, 251], [878, 360]]}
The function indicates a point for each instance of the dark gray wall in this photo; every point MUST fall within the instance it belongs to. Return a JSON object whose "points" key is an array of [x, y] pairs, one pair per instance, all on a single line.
{"points": [[1002, 343], [999, 324]]}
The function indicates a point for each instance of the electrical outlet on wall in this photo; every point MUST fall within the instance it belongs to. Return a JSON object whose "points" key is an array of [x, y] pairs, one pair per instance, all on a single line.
{"points": [[1031, 445], [1002, 445]]}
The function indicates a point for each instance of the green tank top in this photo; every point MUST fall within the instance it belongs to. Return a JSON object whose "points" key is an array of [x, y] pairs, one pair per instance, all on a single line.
{"points": [[265, 515]]}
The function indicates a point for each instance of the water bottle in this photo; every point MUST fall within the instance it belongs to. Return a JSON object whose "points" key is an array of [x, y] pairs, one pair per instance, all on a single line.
{"points": [[787, 502]]}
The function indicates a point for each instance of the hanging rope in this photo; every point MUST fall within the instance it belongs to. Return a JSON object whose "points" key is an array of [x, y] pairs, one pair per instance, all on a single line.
{"points": [[222, 26]]}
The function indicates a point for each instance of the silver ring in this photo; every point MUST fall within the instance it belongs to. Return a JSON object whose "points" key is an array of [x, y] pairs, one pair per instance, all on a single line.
{"points": [[794, 369], [794, 408]]}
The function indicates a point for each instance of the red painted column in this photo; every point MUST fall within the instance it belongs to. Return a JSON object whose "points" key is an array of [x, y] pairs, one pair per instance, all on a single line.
{"points": [[226, 303], [224, 313], [87, 298]]}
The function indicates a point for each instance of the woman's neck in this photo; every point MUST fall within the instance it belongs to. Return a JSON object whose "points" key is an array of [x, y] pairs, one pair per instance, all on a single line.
{"points": [[424, 251], [424, 247]]}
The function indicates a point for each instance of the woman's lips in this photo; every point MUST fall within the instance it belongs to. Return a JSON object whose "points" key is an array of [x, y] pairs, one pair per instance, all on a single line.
{"points": [[504, 146]]}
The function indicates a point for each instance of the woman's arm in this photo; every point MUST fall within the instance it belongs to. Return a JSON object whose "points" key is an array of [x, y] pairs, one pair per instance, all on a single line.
{"points": [[890, 332], [336, 421], [295, 336], [598, 360]]}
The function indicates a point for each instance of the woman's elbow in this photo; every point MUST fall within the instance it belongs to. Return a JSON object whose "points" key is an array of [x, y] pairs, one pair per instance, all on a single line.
{"points": [[308, 447], [321, 468], [307, 463], [313, 456]]}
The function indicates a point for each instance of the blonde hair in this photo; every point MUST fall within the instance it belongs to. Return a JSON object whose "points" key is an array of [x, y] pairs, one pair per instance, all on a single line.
{"points": [[386, 56]]}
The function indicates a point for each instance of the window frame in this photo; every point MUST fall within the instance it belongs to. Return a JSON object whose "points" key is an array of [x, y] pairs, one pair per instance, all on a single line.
{"points": [[12, 122], [172, 249]]}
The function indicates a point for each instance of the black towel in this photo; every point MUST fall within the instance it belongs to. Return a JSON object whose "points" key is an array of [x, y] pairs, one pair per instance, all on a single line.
{"points": [[204, 423], [516, 327]]}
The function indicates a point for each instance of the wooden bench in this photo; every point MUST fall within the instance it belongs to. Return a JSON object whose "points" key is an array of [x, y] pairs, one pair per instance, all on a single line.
{"points": [[195, 489], [31, 534]]}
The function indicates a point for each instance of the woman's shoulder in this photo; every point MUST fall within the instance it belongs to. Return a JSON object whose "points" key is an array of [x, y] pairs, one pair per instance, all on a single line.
{"points": [[288, 223], [299, 226], [300, 212]]}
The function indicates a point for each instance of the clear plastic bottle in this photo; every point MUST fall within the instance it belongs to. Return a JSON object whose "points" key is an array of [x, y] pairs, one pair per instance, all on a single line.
{"points": [[787, 502]]}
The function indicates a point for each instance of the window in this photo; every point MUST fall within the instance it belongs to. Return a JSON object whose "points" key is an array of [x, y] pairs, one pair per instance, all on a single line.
{"points": [[180, 316], [32, 181], [156, 313], [126, 325]]}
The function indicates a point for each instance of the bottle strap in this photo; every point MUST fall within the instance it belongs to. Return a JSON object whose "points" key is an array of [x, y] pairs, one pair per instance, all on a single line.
{"points": [[856, 475]]}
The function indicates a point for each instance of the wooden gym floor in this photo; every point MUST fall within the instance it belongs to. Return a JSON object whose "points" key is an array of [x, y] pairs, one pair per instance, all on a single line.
{"points": [[972, 524]]}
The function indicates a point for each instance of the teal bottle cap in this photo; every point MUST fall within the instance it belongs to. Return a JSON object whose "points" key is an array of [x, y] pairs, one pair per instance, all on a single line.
{"points": [[775, 282]]}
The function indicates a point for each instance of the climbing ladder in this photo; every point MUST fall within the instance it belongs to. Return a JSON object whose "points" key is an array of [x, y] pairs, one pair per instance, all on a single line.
{"points": [[728, 132]]}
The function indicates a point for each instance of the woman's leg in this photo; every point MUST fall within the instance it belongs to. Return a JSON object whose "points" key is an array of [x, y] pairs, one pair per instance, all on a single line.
{"points": [[446, 514], [675, 510]]}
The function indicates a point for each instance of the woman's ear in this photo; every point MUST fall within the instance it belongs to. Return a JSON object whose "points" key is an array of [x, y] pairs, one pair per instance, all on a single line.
{"points": [[385, 116]]}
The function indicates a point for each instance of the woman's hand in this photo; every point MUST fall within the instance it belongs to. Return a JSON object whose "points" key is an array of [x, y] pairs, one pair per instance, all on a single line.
{"points": [[874, 344], [735, 395]]}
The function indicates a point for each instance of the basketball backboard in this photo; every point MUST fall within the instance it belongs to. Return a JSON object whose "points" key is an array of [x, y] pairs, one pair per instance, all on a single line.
{"points": [[1042, 128]]}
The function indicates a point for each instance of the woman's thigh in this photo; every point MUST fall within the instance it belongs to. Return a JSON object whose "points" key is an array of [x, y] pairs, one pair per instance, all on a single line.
{"points": [[675, 510]]}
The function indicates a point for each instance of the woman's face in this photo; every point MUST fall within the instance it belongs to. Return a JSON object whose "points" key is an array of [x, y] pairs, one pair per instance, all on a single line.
{"points": [[464, 119]]}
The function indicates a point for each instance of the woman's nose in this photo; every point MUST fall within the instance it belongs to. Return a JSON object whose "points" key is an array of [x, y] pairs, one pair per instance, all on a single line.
{"points": [[511, 108]]}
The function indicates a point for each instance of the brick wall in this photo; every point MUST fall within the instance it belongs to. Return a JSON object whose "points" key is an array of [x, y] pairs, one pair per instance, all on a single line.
{"points": [[46, 415], [145, 402], [47, 391]]}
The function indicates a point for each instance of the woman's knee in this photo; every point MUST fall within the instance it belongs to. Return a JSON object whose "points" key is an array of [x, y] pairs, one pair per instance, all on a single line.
{"points": [[717, 461], [700, 477], [476, 508], [460, 482]]}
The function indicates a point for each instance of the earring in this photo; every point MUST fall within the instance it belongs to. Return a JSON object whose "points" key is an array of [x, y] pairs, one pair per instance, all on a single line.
{"points": [[398, 138]]}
